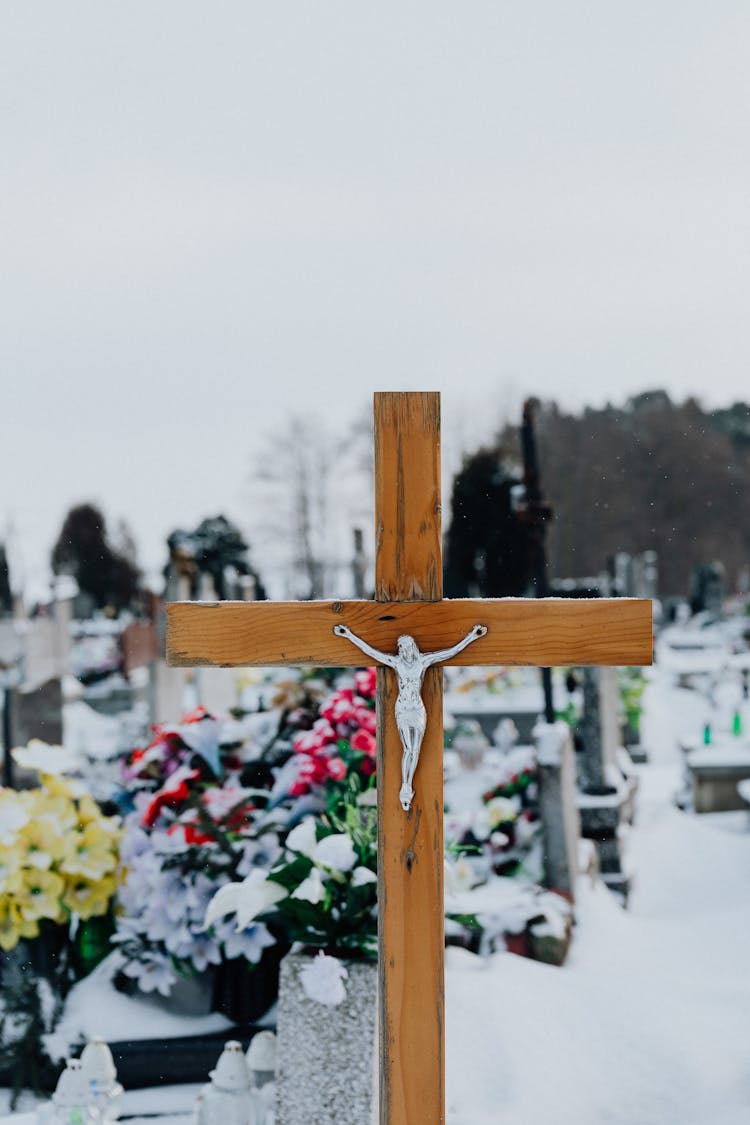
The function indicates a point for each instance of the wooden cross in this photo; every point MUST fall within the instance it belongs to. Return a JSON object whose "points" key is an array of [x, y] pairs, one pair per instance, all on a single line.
{"points": [[408, 593]]}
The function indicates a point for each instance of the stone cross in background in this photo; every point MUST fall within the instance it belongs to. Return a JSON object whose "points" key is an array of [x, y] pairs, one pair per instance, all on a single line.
{"points": [[558, 813], [606, 780], [408, 593]]}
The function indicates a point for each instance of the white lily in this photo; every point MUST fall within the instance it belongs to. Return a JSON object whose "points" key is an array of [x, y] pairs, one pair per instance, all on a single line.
{"points": [[361, 876], [336, 853], [247, 899], [302, 838], [311, 889]]}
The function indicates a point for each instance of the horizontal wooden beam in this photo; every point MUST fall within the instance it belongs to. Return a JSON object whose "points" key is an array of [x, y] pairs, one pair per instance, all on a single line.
{"points": [[547, 632]]}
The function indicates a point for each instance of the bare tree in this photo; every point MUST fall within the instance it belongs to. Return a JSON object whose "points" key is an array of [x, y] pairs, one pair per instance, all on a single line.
{"points": [[307, 485]]}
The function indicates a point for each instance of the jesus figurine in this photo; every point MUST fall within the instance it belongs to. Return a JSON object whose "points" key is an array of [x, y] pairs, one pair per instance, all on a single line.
{"points": [[410, 666]]}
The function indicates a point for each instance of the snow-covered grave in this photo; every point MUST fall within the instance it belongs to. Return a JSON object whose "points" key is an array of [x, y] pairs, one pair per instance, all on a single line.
{"points": [[716, 750]]}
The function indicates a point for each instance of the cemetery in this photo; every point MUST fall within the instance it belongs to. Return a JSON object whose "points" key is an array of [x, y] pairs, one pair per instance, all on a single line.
{"points": [[374, 564], [194, 907]]}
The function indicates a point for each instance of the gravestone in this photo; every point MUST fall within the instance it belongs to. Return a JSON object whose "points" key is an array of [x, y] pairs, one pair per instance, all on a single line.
{"points": [[607, 793], [37, 713], [139, 643], [46, 643], [561, 825]]}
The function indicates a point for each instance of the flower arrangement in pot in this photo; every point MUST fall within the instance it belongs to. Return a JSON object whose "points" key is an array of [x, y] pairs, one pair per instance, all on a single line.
{"points": [[323, 887], [58, 860], [193, 829], [58, 875]]}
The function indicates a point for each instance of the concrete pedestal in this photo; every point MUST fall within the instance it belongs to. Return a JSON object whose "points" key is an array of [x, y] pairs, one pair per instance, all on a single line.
{"points": [[326, 1055]]}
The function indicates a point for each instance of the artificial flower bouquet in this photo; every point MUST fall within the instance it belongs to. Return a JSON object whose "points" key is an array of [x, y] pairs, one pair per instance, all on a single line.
{"points": [[192, 829], [516, 776], [322, 889], [339, 744], [174, 858], [58, 876], [58, 859]]}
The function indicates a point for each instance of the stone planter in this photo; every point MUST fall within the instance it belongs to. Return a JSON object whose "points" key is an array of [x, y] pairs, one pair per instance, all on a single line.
{"points": [[326, 1055]]}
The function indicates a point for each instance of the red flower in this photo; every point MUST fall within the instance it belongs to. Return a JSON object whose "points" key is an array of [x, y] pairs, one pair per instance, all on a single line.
{"points": [[196, 715], [310, 741], [191, 834], [340, 707], [173, 793], [365, 681], [337, 768], [366, 718], [365, 741]]}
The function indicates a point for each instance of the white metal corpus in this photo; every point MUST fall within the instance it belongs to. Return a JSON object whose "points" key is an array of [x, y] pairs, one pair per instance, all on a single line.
{"points": [[410, 665]]}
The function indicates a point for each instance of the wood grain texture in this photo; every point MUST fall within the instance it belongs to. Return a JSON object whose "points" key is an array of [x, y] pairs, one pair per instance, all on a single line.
{"points": [[407, 497], [410, 847], [547, 632]]}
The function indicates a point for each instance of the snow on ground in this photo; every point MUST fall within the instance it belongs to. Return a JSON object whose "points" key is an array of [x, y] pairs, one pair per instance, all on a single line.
{"points": [[649, 1021]]}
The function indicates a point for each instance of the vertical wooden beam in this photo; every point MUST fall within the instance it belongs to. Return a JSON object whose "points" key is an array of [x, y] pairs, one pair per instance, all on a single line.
{"points": [[408, 566]]}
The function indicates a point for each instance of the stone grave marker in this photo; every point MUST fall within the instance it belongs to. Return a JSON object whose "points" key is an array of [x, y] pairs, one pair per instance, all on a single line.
{"points": [[606, 800], [38, 713], [558, 812]]}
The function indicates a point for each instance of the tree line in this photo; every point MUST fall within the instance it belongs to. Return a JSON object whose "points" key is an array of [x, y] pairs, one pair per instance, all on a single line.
{"points": [[652, 474]]}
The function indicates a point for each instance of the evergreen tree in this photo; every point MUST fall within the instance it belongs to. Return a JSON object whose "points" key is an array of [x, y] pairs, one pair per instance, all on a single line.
{"points": [[488, 547], [83, 550]]}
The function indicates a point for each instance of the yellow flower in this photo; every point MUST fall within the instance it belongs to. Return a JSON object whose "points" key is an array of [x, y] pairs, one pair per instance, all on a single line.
{"points": [[42, 844], [11, 876], [88, 810], [87, 898], [41, 896], [89, 852], [56, 786], [55, 809], [13, 816], [13, 924]]}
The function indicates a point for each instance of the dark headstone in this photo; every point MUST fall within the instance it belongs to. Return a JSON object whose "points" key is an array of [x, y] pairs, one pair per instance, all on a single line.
{"points": [[37, 713], [591, 766], [557, 806]]}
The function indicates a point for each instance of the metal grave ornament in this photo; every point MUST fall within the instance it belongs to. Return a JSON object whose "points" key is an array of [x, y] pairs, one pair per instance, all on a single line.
{"points": [[410, 665]]}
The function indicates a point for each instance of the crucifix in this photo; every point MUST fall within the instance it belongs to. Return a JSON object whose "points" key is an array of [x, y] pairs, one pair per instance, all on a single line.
{"points": [[409, 605]]}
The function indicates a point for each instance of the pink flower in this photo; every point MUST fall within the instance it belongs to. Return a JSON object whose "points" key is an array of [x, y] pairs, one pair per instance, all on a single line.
{"points": [[309, 741], [365, 681], [339, 708], [337, 768], [365, 741], [310, 771], [366, 718]]}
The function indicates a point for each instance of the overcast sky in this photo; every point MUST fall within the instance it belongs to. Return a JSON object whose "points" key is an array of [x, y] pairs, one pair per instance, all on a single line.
{"points": [[212, 214]]}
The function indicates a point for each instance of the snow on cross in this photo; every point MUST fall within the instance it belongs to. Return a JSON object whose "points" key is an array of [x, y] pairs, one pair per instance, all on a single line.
{"points": [[408, 591]]}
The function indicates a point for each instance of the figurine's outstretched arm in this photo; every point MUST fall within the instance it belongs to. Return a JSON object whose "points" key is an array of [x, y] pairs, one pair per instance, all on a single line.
{"points": [[368, 650], [447, 653]]}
